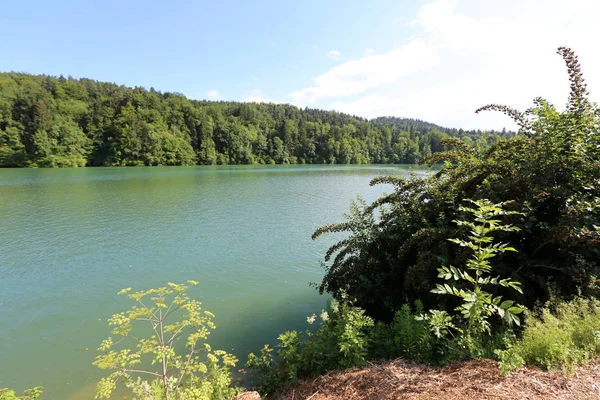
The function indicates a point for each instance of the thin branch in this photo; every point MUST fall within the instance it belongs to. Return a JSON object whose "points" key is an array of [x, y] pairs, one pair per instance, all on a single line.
{"points": [[189, 328], [139, 371], [169, 312], [132, 337], [536, 250], [192, 351], [153, 324], [171, 305], [164, 359], [148, 308], [174, 335], [150, 320]]}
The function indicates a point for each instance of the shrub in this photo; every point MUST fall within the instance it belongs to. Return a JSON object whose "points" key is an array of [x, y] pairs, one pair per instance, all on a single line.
{"points": [[559, 337], [169, 316], [29, 394], [405, 337], [341, 341], [551, 170]]}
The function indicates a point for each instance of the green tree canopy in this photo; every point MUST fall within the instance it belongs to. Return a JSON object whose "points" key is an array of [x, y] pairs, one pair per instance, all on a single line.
{"points": [[54, 122]]}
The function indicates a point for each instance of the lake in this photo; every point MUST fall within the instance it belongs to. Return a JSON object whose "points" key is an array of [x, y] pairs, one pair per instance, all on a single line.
{"points": [[72, 238]]}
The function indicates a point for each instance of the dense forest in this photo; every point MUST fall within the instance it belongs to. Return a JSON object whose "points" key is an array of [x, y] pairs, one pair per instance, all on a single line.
{"points": [[65, 122]]}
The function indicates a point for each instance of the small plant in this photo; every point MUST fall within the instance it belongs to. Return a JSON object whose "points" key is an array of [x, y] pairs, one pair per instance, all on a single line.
{"points": [[412, 339], [341, 341], [173, 376], [405, 337], [29, 394], [478, 304], [559, 337]]}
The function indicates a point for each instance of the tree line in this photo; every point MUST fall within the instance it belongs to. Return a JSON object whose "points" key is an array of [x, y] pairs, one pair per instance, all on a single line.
{"points": [[47, 121]]}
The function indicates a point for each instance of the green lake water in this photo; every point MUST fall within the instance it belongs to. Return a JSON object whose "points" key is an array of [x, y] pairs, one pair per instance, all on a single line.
{"points": [[72, 238]]}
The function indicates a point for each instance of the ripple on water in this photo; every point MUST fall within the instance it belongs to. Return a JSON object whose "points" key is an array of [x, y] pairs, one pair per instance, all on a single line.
{"points": [[72, 238]]}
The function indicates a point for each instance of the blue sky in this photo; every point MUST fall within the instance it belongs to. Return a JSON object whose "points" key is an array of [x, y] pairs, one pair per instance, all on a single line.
{"points": [[434, 60]]}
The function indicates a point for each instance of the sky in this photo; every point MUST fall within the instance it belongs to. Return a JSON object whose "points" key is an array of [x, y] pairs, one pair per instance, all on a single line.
{"points": [[433, 60]]}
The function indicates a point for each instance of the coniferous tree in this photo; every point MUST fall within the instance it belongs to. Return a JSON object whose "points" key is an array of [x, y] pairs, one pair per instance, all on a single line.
{"points": [[66, 122]]}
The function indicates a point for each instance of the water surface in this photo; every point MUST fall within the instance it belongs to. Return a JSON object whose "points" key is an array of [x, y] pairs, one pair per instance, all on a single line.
{"points": [[72, 238]]}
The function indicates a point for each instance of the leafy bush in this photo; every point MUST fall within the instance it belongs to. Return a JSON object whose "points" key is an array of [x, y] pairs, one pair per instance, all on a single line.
{"points": [[186, 376], [29, 394], [551, 170], [341, 341], [559, 337]]}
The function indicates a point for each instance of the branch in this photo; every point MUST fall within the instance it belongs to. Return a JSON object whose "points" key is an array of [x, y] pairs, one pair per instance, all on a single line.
{"points": [[171, 305], [192, 351], [132, 337], [169, 312], [152, 324], [164, 360], [139, 371], [148, 308], [174, 335]]}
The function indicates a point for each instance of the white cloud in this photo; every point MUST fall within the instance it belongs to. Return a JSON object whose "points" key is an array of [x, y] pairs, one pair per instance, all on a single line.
{"points": [[354, 77], [213, 94], [444, 104], [368, 52], [316, 48], [463, 55], [256, 96], [335, 54]]}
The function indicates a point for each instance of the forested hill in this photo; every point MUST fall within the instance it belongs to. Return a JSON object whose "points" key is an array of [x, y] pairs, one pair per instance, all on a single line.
{"points": [[47, 122]]}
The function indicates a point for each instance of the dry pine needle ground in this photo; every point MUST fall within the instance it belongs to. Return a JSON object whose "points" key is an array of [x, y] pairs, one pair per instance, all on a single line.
{"points": [[475, 379]]}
